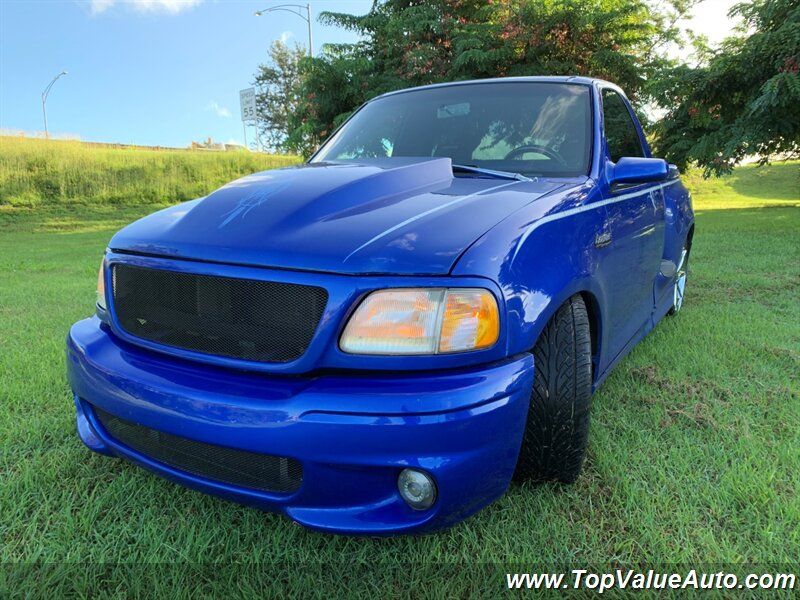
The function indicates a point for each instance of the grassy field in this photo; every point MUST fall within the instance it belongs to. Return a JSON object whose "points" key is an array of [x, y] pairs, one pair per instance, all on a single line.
{"points": [[694, 456], [64, 177]]}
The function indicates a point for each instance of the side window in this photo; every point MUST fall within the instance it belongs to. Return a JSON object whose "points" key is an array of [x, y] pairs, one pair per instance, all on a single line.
{"points": [[621, 134]]}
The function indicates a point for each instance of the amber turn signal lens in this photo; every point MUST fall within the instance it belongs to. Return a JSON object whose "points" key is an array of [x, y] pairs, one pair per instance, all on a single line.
{"points": [[470, 322]]}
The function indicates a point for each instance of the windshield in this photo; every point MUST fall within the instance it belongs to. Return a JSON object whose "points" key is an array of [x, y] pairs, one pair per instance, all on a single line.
{"points": [[535, 129]]}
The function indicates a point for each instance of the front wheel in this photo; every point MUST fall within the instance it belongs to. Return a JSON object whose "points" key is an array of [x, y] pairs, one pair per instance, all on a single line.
{"points": [[557, 428]]}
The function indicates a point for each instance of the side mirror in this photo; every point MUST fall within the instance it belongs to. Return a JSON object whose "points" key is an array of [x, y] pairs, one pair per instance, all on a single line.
{"points": [[633, 170]]}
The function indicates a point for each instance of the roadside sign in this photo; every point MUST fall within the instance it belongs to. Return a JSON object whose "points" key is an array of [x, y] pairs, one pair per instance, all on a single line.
{"points": [[247, 101]]}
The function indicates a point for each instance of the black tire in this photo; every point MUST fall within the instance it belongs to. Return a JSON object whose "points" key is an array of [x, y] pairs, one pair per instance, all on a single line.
{"points": [[557, 427]]}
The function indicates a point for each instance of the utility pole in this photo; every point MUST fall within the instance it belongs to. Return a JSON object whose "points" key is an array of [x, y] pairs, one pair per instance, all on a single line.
{"points": [[44, 102]]}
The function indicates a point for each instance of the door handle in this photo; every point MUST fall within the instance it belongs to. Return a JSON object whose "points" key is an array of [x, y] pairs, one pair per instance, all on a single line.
{"points": [[601, 240]]}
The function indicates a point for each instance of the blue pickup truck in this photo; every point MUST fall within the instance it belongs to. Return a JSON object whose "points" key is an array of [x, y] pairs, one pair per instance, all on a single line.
{"points": [[381, 339]]}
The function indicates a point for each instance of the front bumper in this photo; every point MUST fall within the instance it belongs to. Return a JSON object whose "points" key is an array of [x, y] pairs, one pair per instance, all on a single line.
{"points": [[353, 434]]}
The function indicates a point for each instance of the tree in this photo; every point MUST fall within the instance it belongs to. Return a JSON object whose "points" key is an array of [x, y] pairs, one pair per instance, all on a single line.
{"points": [[414, 42], [279, 83], [745, 99]]}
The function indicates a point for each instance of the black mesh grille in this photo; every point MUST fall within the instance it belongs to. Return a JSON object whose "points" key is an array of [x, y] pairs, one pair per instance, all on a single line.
{"points": [[240, 318], [236, 467]]}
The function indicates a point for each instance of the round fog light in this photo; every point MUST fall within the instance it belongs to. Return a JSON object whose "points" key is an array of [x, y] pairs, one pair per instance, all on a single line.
{"points": [[417, 488]]}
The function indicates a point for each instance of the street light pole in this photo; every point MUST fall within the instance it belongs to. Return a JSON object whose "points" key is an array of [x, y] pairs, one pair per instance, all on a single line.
{"points": [[310, 39], [295, 9], [44, 102]]}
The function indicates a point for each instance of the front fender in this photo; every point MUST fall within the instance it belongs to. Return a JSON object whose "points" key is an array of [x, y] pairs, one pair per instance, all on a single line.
{"points": [[540, 258]]}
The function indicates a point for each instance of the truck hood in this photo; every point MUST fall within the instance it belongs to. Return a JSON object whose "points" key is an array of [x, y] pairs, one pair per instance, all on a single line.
{"points": [[388, 216]]}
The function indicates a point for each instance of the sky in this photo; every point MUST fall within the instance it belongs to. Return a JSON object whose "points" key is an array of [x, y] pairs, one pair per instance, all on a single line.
{"points": [[161, 72]]}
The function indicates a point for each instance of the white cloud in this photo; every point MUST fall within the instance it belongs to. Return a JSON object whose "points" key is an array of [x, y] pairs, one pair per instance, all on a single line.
{"points": [[169, 6], [286, 35], [218, 109], [99, 6]]}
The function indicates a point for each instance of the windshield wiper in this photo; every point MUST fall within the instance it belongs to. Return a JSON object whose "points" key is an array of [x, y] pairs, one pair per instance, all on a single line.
{"points": [[489, 172]]}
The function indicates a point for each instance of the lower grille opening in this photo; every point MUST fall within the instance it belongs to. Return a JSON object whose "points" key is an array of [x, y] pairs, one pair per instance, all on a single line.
{"points": [[227, 465]]}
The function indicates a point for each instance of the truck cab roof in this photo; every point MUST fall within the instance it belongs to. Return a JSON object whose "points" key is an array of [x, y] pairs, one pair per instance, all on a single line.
{"points": [[573, 79]]}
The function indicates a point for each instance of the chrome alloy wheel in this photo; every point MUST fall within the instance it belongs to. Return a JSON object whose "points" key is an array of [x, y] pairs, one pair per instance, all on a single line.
{"points": [[679, 287]]}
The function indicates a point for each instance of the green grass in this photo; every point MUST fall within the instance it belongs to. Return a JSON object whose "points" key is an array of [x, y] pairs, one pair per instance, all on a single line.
{"points": [[36, 173], [694, 455]]}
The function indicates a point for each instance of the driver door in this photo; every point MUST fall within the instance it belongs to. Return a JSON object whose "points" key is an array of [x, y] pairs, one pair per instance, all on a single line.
{"points": [[631, 245]]}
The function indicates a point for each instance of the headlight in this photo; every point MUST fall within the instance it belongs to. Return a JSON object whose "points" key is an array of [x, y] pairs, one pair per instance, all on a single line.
{"points": [[422, 321], [101, 287]]}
